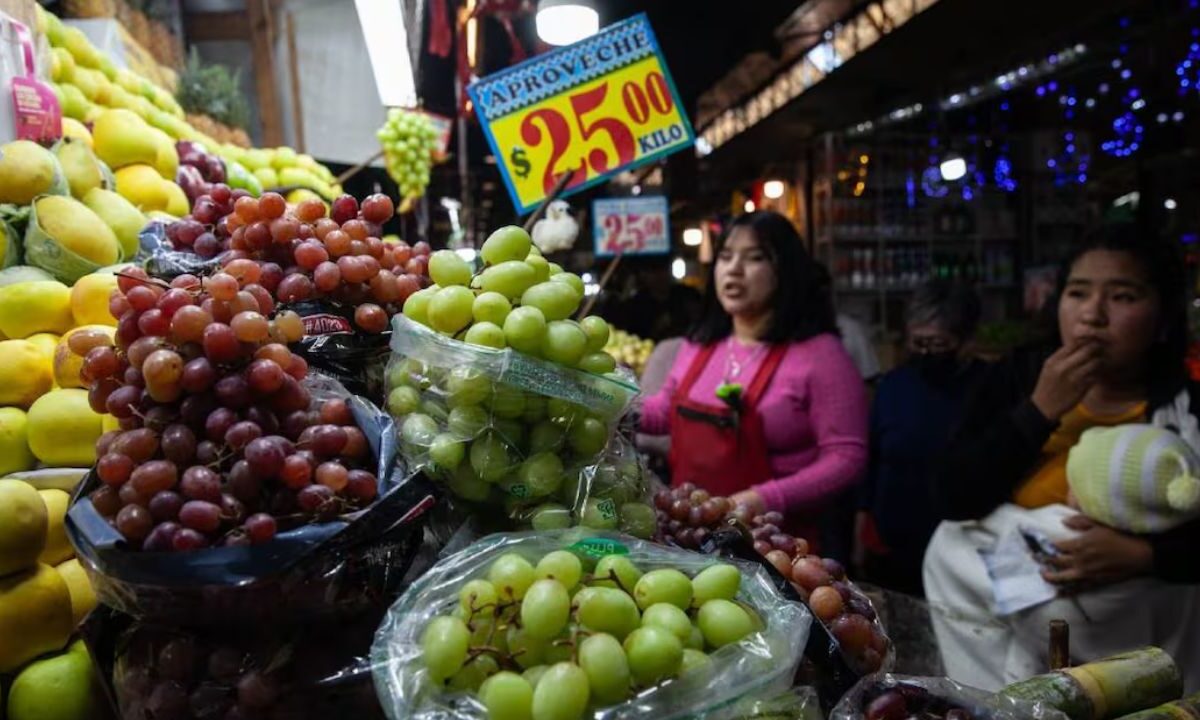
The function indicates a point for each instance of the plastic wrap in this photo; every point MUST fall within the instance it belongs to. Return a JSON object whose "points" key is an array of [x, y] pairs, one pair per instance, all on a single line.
{"points": [[827, 665], [934, 698], [317, 570], [317, 672], [758, 666], [332, 345], [799, 703], [162, 260], [501, 428]]}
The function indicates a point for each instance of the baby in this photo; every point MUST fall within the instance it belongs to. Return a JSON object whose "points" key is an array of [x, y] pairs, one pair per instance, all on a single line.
{"points": [[1137, 478]]}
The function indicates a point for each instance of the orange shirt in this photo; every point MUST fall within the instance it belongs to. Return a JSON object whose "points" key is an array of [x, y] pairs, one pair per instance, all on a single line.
{"points": [[1048, 483]]}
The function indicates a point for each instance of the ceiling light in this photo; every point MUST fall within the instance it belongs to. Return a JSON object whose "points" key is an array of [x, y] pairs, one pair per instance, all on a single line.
{"points": [[773, 189], [953, 168], [693, 237], [562, 22], [1170, 204], [678, 269], [749, 206], [382, 22]]}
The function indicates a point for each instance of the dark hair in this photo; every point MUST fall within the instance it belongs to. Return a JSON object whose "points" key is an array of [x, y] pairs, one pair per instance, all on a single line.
{"points": [[1166, 371], [803, 303], [952, 305]]}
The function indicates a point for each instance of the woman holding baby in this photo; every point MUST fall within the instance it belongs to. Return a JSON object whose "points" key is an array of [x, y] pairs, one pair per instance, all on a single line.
{"points": [[1126, 560]]}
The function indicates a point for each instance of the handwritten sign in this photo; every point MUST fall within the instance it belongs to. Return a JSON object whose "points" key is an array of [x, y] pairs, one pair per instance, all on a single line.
{"points": [[600, 106], [631, 226]]}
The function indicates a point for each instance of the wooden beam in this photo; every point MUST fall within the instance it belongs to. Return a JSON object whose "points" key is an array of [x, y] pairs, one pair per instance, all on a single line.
{"points": [[294, 75], [217, 26], [262, 44]]}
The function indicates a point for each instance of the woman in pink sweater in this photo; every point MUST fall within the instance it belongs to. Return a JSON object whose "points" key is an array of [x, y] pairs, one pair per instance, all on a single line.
{"points": [[763, 403]]}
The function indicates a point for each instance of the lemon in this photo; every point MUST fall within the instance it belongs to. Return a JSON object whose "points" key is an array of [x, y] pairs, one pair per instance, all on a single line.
{"points": [[24, 373], [22, 526], [83, 595], [35, 615], [63, 429], [58, 548], [15, 455], [89, 299], [66, 363], [35, 306]]}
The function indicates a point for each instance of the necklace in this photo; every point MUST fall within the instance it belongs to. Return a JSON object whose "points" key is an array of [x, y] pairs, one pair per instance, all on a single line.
{"points": [[734, 366]]}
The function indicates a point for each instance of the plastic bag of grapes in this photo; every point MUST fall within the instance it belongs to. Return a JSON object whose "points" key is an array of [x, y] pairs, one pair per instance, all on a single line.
{"points": [[900, 697], [339, 559], [162, 672], [583, 623], [163, 255], [500, 427], [335, 345]]}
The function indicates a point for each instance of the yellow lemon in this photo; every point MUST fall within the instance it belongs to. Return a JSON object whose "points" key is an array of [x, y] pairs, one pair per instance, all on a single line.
{"points": [[22, 526], [83, 595], [58, 547], [89, 299], [24, 374], [15, 455], [63, 429], [35, 306], [35, 615]]}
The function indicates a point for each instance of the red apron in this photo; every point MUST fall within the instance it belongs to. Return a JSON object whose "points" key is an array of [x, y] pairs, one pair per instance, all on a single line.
{"points": [[710, 446]]}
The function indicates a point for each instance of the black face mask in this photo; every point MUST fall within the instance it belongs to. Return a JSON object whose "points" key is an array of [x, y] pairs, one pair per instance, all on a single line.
{"points": [[936, 368]]}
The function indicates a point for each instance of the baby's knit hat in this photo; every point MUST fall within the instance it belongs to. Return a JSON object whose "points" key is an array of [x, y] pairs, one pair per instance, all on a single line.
{"points": [[1139, 478]]}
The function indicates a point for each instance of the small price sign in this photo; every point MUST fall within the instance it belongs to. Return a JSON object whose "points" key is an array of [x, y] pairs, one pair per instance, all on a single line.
{"points": [[631, 226], [600, 106]]}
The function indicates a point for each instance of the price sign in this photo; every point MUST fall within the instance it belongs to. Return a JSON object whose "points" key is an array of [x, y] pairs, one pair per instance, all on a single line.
{"points": [[600, 106], [631, 226]]}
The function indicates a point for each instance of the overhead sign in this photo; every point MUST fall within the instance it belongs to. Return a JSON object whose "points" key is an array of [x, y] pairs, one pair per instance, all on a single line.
{"points": [[600, 106], [631, 226]]}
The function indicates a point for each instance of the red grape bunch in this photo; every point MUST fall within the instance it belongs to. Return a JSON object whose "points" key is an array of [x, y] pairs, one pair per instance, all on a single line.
{"points": [[307, 252], [687, 515], [218, 442]]}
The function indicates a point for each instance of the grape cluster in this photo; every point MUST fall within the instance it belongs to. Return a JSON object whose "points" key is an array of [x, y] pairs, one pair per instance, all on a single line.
{"points": [[218, 442], [687, 515], [168, 674], [545, 640], [309, 252], [515, 272], [409, 142], [909, 702]]}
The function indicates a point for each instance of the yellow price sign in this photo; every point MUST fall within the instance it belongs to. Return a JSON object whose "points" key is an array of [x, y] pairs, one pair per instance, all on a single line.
{"points": [[598, 107]]}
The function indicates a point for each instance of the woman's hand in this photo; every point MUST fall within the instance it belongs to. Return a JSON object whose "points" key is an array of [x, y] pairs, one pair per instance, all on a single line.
{"points": [[1098, 556], [1066, 377], [750, 499]]}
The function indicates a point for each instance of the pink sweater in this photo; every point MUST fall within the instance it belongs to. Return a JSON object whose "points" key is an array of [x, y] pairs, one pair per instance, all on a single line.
{"points": [[814, 413]]}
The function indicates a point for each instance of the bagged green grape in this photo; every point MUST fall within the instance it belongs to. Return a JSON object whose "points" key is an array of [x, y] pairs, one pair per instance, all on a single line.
{"points": [[579, 623], [503, 429]]}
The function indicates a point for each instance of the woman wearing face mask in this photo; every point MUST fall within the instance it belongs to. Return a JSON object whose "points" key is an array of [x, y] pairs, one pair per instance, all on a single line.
{"points": [[762, 402], [1122, 336], [916, 408]]}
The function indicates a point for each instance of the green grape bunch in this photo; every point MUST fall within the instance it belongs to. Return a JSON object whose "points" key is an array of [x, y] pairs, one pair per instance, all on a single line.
{"points": [[544, 639], [409, 142]]}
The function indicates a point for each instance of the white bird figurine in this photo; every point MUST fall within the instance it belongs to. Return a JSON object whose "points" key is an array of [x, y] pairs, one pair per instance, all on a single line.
{"points": [[556, 231]]}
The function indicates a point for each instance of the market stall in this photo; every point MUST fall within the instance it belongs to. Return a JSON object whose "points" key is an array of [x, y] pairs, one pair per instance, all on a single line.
{"points": [[261, 458]]}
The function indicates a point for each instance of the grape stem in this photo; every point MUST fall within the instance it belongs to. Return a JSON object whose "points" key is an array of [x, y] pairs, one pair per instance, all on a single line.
{"points": [[146, 281]]}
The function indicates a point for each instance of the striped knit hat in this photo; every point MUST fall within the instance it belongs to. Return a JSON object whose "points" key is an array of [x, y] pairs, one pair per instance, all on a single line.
{"points": [[1139, 478]]}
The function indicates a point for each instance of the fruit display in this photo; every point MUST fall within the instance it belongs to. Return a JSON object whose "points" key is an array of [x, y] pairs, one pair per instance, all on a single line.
{"points": [[220, 442], [558, 625], [686, 516], [894, 699], [198, 170], [409, 143], [307, 252], [167, 673], [88, 85], [629, 349]]}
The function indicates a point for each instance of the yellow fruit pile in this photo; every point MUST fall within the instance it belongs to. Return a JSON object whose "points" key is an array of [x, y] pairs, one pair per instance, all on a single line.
{"points": [[44, 595], [44, 413], [629, 349], [88, 86]]}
